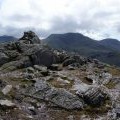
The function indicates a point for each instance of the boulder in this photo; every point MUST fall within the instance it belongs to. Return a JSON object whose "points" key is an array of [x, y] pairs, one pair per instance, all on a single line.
{"points": [[94, 96], [18, 64], [44, 57], [68, 62], [60, 97], [75, 60], [3, 58]]}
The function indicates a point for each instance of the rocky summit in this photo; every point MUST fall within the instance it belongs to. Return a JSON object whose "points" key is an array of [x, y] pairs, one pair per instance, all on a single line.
{"points": [[41, 83]]}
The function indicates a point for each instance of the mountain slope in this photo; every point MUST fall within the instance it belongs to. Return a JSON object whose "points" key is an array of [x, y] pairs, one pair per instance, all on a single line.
{"points": [[75, 42], [112, 43], [42, 83], [6, 38]]}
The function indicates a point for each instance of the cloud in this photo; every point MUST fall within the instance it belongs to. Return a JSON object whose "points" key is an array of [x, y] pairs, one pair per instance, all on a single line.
{"points": [[95, 18]]}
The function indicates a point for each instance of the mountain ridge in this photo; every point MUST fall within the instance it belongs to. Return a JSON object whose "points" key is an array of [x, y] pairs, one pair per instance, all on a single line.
{"points": [[75, 42], [7, 38]]}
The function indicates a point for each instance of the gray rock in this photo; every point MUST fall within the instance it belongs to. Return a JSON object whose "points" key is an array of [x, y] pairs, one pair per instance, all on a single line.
{"points": [[12, 54], [44, 57], [40, 68], [30, 38], [2, 84], [70, 67], [13, 65], [75, 59], [55, 67], [7, 89], [7, 104], [94, 96], [45, 73], [3, 58], [68, 62], [30, 70], [59, 97]]}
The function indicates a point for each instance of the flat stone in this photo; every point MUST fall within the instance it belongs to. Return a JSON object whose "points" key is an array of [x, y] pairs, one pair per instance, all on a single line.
{"points": [[7, 89], [59, 97], [7, 104]]}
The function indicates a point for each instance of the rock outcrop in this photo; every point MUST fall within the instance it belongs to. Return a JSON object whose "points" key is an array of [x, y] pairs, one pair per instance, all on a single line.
{"points": [[40, 83], [28, 51], [59, 97], [30, 38]]}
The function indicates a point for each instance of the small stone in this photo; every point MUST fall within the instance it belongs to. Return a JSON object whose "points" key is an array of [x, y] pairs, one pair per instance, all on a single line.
{"points": [[70, 67], [70, 117], [45, 73], [30, 70], [7, 89], [40, 68], [54, 67], [7, 104], [32, 110]]}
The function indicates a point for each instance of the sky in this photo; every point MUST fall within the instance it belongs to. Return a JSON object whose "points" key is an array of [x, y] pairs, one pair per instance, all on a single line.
{"points": [[97, 19]]}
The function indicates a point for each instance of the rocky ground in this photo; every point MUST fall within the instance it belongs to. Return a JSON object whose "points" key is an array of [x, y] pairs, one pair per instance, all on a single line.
{"points": [[40, 83]]}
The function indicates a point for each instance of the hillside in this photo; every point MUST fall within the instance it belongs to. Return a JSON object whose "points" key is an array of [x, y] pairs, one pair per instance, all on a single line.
{"points": [[75, 42], [42, 83]]}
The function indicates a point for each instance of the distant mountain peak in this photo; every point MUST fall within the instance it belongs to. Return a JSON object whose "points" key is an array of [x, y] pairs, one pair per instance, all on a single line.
{"points": [[7, 38], [107, 50]]}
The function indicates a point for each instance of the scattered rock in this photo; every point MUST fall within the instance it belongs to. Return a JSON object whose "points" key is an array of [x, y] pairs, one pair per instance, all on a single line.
{"points": [[68, 62], [70, 67], [2, 84], [7, 89], [54, 67], [3, 58], [40, 68], [45, 73], [30, 70], [7, 104], [64, 82]]}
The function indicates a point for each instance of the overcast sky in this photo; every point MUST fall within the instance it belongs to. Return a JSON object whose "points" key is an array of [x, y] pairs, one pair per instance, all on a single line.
{"points": [[95, 18]]}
